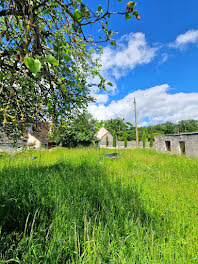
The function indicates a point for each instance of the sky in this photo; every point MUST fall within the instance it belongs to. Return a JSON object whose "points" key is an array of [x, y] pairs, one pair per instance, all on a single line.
{"points": [[155, 61]]}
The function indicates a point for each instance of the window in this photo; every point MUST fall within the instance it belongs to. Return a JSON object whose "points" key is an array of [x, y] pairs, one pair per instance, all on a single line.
{"points": [[167, 145], [182, 146]]}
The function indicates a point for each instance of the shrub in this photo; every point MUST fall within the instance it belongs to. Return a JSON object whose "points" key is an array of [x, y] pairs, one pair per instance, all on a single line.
{"points": [[107, 141], [144, 139], [114, 139], [151, 138]]}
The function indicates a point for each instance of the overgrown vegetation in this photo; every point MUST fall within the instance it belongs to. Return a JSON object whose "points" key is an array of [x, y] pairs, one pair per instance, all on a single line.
{"points": [[74, 206]]}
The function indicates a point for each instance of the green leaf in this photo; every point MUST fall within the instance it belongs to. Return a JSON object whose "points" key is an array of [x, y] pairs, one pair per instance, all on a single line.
{"points": [[67, 58], [131, 5], [127, 16], [37, 75], [136, 14], [77, 15], [99, 8], [109, 83], [33, 65], [50, 59], [113, 43]]}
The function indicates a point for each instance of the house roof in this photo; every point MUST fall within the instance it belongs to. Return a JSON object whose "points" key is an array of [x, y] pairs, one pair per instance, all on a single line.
{"points": [[101, 133], [41, 137]]}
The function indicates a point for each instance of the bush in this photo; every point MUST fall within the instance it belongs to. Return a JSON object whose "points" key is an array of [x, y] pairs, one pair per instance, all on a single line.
{"points": [[151, 139], [107, 141], [144, 139], [125, 142], [114, 139]]}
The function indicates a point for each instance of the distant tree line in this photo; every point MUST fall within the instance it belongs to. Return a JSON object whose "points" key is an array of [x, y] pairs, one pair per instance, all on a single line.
{"points": [[81, 130], [125, 130]]}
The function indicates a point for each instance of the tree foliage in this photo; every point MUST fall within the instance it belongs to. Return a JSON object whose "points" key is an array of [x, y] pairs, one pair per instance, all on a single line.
{"points": [[115, 125], [151, 138], [144, 138], [114, 139], [74, 133], [46, 58], [107, 141]]}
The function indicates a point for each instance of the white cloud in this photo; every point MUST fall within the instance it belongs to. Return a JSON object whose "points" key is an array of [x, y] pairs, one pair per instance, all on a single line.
{"points": [[101, 98], [164, 58], [188, 37], [155, 104], [132, 50]]}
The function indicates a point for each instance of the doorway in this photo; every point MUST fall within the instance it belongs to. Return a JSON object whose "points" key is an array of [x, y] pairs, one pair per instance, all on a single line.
{"points": [[182, 146], [168, 145]]}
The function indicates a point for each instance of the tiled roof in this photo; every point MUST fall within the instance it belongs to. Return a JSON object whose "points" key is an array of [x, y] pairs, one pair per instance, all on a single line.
{"points": [[41, 137]]}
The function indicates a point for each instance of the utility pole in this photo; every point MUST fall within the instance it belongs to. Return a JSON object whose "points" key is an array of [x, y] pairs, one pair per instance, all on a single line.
{"points": [[137, 139]]}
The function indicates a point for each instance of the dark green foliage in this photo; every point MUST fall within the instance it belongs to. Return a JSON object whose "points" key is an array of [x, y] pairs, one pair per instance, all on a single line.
{"points": [[114, 139], [107, 141], [144, 139], [125, 142], [188, 126], [125, 139], [78, 132], [151, 138], [115, 125]]}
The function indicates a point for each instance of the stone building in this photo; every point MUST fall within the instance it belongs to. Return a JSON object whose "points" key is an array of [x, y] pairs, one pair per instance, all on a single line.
{"points": [[182, 143], [102, 134]]}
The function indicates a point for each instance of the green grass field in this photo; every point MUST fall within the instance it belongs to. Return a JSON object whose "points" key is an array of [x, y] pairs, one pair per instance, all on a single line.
{"points": [[75, 206]]}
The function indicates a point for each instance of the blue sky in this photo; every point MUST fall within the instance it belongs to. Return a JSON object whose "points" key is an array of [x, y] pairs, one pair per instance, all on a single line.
{"points": [[156, 61]]}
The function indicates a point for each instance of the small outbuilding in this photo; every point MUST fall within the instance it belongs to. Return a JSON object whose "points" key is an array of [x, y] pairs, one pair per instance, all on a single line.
{"points": [[182, 143], [102, 134]]}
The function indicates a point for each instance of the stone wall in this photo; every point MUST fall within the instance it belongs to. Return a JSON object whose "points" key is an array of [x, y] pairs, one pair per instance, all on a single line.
{"points": [[120, 144], [178, 144]]}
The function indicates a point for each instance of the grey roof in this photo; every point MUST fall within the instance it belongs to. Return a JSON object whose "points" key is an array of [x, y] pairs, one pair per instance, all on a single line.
{"points": [[180, 134]]}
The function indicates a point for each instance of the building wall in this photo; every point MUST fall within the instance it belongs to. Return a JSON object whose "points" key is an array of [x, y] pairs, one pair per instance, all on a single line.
{"points": [[120, 144], [190, 140], [33, 142], [103, 140], [7, 148]]}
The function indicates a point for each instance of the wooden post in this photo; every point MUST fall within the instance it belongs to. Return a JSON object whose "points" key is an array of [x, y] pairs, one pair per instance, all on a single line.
{"points": [[137, 139]]}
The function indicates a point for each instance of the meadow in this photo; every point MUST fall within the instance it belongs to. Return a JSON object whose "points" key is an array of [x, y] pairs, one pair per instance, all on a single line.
{"points": [[76, 206]]}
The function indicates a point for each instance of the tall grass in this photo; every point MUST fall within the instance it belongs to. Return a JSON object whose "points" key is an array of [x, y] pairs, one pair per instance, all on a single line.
{"points": [[76, 206]]}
